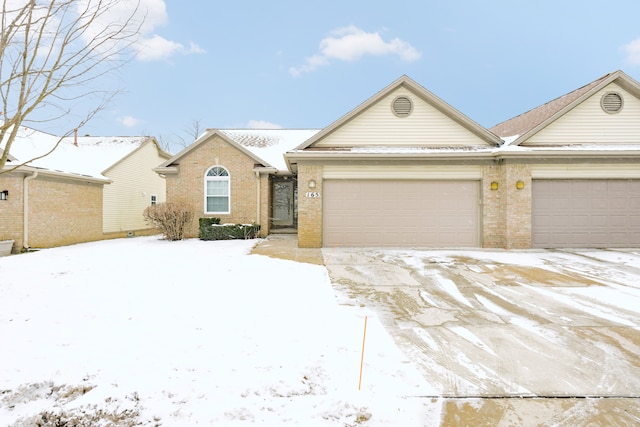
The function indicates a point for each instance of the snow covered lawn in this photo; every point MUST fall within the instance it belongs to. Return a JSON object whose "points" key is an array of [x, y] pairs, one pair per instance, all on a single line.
{"points": [[148, 332]]}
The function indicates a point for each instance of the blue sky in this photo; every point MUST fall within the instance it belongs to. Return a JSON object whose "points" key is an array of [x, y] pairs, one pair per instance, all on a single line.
{"points": [[294, 64]]}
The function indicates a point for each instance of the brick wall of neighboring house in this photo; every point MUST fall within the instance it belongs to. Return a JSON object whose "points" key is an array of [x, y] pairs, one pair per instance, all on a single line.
{"points": [[309, 208], [517, 221], [493, 207], [63, 212], [11, 209], [187, 186]]}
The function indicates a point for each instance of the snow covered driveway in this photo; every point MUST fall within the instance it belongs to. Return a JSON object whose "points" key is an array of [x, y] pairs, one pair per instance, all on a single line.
{"points": [[491, 325]]}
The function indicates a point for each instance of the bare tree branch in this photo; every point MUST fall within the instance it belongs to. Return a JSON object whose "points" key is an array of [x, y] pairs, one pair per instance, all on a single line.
{"points": [[52, 54]]}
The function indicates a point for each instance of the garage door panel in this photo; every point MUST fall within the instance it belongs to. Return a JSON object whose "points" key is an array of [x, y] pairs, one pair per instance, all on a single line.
{"points": [[401, 213], [586, 213]]}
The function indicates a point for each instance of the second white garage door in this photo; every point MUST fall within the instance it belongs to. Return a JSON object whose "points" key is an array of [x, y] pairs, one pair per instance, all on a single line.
{"points": [[404, 213]]}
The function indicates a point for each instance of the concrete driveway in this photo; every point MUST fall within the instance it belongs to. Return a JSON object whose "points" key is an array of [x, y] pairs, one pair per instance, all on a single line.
{"points": [[509, 338]]}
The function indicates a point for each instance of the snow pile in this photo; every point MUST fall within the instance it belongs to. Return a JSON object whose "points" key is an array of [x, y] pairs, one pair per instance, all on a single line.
{"points": [[148, 332]]}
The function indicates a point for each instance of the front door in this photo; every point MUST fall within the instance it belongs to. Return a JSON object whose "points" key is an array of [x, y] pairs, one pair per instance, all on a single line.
{"points": [[283, 204]]}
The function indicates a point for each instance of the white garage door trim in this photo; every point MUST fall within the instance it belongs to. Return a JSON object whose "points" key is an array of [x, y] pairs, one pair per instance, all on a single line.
{"points": [[408, 172], [401, 213], [590, 213]]}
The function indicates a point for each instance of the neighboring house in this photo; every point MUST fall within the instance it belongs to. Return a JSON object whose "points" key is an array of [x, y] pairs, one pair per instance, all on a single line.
{"points": [[88, 188], [406, 169]]}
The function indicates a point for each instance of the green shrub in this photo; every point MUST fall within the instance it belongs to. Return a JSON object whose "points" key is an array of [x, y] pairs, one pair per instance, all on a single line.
{"points": [[170, 218], [210, 229]]}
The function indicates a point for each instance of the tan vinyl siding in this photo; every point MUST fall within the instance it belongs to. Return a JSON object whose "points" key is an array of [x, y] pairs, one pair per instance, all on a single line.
{"points": [[588, 123], [134, 182], [378, 125]]}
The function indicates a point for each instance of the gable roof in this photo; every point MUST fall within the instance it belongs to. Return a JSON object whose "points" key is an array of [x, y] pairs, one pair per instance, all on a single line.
{"points": [[265, 146], [419, 91], [522, 127], [87, 156]]}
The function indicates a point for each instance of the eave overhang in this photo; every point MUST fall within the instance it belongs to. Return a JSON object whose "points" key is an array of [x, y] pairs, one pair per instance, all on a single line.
{"points": [[57, 174], [292, 158]]}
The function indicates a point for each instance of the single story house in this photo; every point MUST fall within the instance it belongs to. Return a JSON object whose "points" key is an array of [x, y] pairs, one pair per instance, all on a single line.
{"points": [[406, 169], [89, 188]]}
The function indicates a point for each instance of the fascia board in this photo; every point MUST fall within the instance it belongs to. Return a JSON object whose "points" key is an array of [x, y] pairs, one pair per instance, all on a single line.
{"points": [[313, 156], [205, 137], [569, 154], [62, 175]]}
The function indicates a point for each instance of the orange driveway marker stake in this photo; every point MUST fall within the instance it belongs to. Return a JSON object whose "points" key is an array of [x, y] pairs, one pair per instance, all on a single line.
{"points": [[364, 337], [333, 249]]}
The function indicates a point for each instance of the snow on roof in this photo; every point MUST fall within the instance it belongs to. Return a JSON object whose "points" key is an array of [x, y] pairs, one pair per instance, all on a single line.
{"points": [[91, 156], [270, 144]]}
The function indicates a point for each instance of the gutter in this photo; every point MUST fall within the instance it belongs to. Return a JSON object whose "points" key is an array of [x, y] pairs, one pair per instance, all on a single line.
{"points": [[25, 209]]}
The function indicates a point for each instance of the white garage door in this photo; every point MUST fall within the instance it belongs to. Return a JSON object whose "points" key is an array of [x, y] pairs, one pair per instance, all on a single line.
{"points": [[586, 213], [401, 213]]}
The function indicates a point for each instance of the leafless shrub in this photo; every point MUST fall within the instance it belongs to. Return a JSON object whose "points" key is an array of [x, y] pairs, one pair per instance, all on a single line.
{"points": [[170, 218]]}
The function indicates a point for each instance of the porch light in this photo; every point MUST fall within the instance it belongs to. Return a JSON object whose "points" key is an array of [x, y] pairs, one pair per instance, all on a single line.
{"points": [[520, 185], [312, 183], [494, 186], [4, 195]]}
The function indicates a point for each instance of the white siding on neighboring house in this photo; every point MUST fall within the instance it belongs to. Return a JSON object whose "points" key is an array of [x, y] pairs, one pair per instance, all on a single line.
{"points": [[588, 123], [134, 182], [378, 125]]}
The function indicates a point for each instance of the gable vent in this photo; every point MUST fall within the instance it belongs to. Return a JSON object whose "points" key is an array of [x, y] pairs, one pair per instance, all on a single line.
{"points": [[611, 102], [402, 106]]}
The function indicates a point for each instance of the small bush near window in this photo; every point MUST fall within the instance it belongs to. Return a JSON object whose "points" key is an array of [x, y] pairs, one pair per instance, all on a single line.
{"points": [[211, 229], [170, 218]]}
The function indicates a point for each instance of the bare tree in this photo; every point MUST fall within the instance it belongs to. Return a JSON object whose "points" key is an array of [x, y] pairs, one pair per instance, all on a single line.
{"points": [[52, 54], [183, 140]]}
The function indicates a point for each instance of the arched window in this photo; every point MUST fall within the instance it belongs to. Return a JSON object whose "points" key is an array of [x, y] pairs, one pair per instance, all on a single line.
{"points": [[216, 190]]}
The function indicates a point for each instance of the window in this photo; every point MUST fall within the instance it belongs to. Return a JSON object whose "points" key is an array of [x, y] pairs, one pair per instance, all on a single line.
{"points": [[154, 199], [216, 190]]}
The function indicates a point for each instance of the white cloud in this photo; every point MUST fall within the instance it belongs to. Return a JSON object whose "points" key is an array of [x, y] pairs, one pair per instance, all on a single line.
{"points": [[129, 121], [633, 52], [146, 17], [350, 44], [261, 124], [157, 47]]}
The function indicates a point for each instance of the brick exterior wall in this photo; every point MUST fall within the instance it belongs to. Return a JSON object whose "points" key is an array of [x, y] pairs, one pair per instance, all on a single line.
{"points": [[506, 212], [63, 212], [187, 186], [518, 226], [309, 209], [11, 210], [493, 207]]}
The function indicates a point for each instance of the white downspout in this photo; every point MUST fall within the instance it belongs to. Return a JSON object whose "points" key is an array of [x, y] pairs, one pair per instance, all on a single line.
{"points": [[258, 198], [25, 207]]}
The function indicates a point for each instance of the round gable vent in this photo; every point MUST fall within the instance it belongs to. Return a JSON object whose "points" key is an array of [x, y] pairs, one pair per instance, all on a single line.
{"points": [[402, 106], [611, 102]]}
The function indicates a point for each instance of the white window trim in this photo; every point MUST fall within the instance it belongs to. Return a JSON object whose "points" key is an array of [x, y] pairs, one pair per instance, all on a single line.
{"points": [[207, 179]]}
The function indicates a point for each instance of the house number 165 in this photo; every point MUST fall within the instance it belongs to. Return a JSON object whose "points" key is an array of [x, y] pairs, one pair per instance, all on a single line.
{"points": [[312, 194]]}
